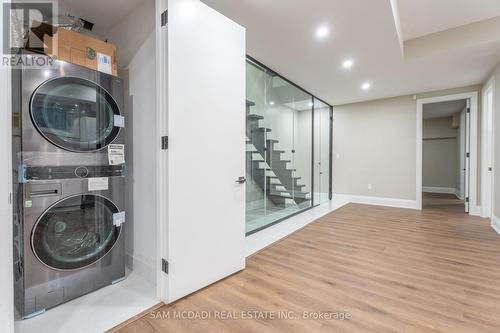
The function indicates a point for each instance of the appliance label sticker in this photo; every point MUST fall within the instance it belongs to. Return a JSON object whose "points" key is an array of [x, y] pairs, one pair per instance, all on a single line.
{"points": [[104, 63], [119, 219], [116, 154], [98, 184], [119, 121]]}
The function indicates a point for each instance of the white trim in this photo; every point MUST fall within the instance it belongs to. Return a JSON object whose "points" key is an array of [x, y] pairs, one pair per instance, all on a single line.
{"points": [[162, 156], [495, 224], [473, 96], [442, 190], [377, 201], [487, 142]]}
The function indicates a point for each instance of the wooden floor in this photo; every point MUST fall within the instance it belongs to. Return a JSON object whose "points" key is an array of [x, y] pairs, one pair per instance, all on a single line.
{"points": [[443, 202], [392, 270]]}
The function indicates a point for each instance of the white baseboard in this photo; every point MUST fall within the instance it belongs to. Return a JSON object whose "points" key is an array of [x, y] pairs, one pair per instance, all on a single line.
{"points": [[495, 224], [141, 268], [441, 190], [459, 195], [475, 211], [377, 201]]}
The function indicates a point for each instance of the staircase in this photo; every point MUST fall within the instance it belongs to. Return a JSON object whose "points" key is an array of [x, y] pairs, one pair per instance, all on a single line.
{"points": [[266, 166]]}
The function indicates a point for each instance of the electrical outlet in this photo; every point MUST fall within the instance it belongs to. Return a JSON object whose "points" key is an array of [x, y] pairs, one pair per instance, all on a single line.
{"points": [[337, 156], [370, 186]]}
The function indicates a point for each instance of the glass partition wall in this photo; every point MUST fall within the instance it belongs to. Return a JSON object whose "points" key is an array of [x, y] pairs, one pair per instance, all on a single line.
{"points": [[288, 139]]}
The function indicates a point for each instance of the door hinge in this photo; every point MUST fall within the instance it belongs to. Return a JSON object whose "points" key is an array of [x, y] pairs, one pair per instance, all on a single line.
{"points": [[164, 142], [164, 266], [468, 110], [164, 18], [467, 199], [468, 155]]}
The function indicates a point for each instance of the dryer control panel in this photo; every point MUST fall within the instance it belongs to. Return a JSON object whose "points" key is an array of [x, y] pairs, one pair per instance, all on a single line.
{"points": [[69, 172]]}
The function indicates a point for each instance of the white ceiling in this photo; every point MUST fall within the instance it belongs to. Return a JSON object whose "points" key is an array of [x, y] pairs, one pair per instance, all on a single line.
{"points": [[443, 109], [281, 34], [105, 14], [423, 17]]}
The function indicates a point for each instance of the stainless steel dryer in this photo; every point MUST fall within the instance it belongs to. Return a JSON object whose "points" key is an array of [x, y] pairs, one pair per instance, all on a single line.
{"points": [[68, 240], [68, 113]]}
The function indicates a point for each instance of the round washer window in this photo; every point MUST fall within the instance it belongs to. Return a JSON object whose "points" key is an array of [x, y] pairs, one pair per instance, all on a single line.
{"points": [[75, 232], [75, 114]]}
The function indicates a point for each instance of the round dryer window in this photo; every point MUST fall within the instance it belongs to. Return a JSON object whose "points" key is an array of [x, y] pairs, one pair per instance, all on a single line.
{"points": [[75, 232], [75, 114]]}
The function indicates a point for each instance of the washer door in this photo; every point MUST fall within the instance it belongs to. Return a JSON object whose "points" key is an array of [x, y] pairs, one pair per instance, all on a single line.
{"points": [[75, 114], [75, 232]]}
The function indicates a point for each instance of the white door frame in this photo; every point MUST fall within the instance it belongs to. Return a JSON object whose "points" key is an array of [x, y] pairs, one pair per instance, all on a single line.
{"points": [[473, 96], [162, 155], [487, 149]]}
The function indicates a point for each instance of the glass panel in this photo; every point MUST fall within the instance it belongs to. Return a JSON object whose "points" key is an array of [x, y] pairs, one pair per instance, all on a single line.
{"points": [[279, 148], [322, 129], [76, 232], [75, 114]]}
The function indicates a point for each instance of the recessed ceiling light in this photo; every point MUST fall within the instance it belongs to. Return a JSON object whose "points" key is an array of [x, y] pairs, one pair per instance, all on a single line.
{"points": [[311, 104], [348, 63], [366, 86], [271, 103], [322, 32]]}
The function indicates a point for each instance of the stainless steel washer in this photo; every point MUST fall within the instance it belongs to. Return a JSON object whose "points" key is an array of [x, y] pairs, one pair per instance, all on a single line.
{"points": [[68, 241]]}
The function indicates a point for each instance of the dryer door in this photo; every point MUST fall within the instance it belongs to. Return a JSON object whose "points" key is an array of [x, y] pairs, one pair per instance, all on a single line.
{"points": [[75, 232], [75, 114]]}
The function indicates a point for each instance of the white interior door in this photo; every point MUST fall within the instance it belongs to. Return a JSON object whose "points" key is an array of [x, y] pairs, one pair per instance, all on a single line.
{"points": [[206, 155]]}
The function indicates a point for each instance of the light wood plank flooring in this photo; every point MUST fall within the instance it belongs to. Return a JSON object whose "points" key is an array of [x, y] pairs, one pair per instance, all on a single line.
{"points": [[392, 270]]}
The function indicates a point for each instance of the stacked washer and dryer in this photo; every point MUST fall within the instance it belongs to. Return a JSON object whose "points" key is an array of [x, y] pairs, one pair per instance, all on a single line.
{"points": [[69, 183]]}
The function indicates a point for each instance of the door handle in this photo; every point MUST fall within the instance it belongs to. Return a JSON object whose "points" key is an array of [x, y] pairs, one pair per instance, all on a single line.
{"points": [[241, 180]]}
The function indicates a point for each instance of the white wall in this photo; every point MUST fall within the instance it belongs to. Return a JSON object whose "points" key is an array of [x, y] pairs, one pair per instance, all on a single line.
{"points": [[135, 38], [440, 154], [375, 144], [6, 256], [376, 141]]}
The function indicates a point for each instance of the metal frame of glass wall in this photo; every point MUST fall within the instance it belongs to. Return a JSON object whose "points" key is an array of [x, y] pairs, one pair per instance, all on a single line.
{"points": [[278, 98]]}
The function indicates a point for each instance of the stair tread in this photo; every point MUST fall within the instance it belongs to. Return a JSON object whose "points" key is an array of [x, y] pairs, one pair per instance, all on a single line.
{"points": [[255, 117], [272, 140], [264, 129], [290, 177], [250, 103], [296, 193]]}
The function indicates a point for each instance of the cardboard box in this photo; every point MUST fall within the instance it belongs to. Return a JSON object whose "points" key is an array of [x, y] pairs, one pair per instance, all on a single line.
{"points": [[81, 49]]}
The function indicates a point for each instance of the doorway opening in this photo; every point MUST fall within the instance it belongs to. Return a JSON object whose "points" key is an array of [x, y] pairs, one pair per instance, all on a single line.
{"points": [[447, 153], [444, 155]]}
